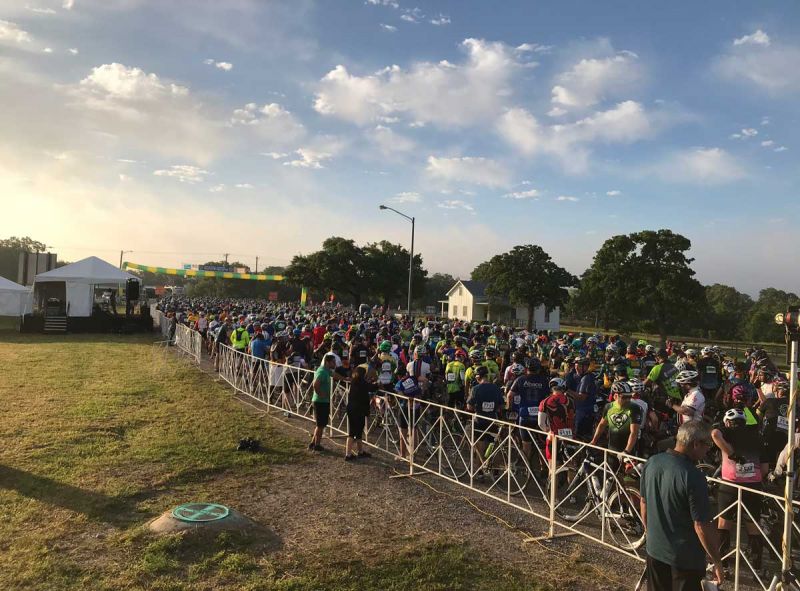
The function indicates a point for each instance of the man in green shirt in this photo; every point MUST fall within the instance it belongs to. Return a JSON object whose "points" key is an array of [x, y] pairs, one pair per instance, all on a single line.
{"points": [[677, 514], [323, 380]]}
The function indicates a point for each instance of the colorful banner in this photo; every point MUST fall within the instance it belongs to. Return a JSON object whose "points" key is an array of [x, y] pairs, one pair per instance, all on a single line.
{"points": [[195, 273], [303, 297]]}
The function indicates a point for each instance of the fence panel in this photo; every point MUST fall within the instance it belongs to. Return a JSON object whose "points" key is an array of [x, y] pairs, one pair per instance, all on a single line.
{"points": [[575, 487]]}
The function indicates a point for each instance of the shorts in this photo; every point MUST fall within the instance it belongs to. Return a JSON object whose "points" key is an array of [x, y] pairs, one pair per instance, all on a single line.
{"points": [[752, 501], [322, 411], [485, 431], [355, 424], [455, 399], [524, 434], [584, 427]]}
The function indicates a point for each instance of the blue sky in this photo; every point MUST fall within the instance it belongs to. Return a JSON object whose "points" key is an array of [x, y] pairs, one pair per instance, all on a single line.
{"points": [[185, 129]]}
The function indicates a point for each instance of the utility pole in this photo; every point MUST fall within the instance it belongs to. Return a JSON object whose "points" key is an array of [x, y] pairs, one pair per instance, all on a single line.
{"points": [[121, 254], [226, 258], [256, 266]]}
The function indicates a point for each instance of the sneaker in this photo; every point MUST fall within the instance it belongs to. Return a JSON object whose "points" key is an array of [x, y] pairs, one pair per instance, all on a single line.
{"points": [[319, 448], [311, 446], [350, 458], [364, 454]]}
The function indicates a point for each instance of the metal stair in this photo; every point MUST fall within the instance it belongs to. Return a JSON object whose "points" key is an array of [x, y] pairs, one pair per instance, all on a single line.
{"points": [[55, 324]]}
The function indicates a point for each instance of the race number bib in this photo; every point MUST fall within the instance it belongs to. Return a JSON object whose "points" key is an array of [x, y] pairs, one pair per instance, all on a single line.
{"points": [[747, 470], [533, 411], [487, 407], [565, 432], [711, 369], [451, 377], [408, 384], [783, 423]]}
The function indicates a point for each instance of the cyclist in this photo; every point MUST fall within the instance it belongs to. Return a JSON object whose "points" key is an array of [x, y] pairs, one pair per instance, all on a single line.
{"points": [[693, 404], [409, 386], [710, 376], [455, 374], [490, 363], [743, 463], [582, 388], [556, 413], [774, 413], [623, 419], [662, 376], [525, 394], [486, 401], [386, 364]]}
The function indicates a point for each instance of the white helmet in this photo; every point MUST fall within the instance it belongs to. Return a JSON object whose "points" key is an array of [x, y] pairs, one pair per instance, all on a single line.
{"points": [[558, 383], [687, 376], [734, 414], [650, 349], [691, 352], [637, 385], [706, 351]]}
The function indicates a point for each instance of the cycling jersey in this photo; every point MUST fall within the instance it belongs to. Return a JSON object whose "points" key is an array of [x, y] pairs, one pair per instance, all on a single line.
{"points": [[557, 414], [527, 392], [620, 419], [487, 400], [494, 370], [746, 443], [710, 373], [697, 402], [664, 375], [386, 368], [454, 374]]}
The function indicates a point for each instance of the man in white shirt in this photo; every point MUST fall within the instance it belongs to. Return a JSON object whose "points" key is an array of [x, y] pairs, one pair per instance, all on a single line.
{"points": [[693, 404]]}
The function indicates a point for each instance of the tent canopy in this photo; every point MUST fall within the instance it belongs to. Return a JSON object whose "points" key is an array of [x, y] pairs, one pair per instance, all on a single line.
{"points": [[90, 270], [8, 285], [13, 298]]}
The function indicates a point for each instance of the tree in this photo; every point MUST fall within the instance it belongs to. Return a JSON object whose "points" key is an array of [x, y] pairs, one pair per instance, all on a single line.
{"points": [[386, 266], [729, 310], [760, 325], [525, 276], [436, 287], [10, 248], [644, 279]]}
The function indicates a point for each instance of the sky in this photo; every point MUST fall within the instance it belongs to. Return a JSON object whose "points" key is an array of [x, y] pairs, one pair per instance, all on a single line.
{"points": [[187, 129]]}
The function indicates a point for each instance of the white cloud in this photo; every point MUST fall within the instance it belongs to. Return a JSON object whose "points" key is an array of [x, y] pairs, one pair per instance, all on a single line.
{"points": [[227, 66], [276, 155], [757, 38], [476, 171], [184, 173], [627, 122], [390, 28], [533, 47], [308, 158], [390, 142], [556, 112], [455, 204], [406, 197], [592, 80], [73, 50], [440, 21], [389, 3], [68, 4], [146, 110], [48, 50], [529, 194], [765, 120], [769, 66], [12, 33], [443, 93], [767, 143], [408, 18], [272, 122], [39, 10], [124, 177], [614, 193], [710, 166], [243, 186], [217, 188], [567, 198], [781, 149], [749, 132]]}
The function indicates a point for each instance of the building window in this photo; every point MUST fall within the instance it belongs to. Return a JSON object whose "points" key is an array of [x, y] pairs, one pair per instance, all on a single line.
{"points": [[459, 291], [464, 308]]}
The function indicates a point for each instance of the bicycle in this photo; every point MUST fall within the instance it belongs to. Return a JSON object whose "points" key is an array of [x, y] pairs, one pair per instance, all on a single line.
{"points": [[616, 504]]}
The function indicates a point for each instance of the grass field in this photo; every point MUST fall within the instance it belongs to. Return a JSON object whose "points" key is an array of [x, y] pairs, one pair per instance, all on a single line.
{"points": [[98, 436]]}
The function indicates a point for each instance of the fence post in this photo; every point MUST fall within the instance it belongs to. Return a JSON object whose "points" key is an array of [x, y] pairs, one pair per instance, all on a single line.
{"points": [[411, 438], [472, 452], [441, 435], [553, 484]]}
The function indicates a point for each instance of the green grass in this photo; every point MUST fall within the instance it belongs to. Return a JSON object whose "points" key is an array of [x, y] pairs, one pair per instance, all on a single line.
{"points": [[95, 441]]}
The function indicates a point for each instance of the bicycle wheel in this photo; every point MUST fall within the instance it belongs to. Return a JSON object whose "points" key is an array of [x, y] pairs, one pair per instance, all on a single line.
{"points": [[456, 451], [573, 497], [623, 518], [520, 472]]}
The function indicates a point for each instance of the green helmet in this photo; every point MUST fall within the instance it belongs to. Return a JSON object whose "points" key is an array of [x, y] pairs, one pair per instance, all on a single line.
{"points": [[385, 346]]}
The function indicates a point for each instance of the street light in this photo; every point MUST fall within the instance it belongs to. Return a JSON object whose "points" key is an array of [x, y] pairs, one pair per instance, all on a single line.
{"points": [[122, 253], [411, 256]]}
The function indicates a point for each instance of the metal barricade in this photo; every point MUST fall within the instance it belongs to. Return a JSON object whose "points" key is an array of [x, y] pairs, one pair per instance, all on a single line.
{"points": [[575, 488]]}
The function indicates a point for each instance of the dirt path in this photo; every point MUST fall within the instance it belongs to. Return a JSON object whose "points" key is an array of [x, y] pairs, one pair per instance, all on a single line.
{"points": [[358, 504]]}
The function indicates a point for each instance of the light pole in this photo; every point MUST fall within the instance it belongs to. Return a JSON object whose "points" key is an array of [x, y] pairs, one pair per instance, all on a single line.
{"points": [[411, 256], [122, 253]]}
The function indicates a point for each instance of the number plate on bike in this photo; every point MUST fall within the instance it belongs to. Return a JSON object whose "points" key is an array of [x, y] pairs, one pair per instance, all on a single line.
{"points": [[747, 470], [565, 432], [533, 411]]}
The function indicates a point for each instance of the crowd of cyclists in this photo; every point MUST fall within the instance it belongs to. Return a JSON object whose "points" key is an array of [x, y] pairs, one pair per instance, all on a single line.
{"points": [[628, 396]]}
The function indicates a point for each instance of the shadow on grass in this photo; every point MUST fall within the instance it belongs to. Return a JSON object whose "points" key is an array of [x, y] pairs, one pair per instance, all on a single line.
{"points": [[120, 511]]}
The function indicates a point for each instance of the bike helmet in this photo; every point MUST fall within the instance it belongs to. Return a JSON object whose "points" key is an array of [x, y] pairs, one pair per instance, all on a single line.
{"points": [[682, 365], [517, 369], [558, 384], [491, 351], [637, 385], [739, 394], [780, 387], [621, 370], [460, 354], [592, 340], [420, 350], [475, 354], [734, 415], [691, 353], [622, 388], [706, 351], [687, 376], [650, 349], [385, 346], [534, 364]]}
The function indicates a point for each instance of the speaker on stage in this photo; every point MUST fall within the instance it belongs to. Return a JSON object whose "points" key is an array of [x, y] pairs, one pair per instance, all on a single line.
{"points": [[132, 290]]}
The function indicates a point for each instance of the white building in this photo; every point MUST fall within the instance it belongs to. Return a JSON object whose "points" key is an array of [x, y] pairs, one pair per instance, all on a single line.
{"points": [[467, 300]]}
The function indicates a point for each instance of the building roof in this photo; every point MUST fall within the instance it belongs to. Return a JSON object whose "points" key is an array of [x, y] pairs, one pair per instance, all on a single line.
{"points": [[476, 288]]}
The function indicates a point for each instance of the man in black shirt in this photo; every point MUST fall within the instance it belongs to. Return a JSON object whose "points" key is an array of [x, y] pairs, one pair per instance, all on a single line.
{"points": [[486, 401]]}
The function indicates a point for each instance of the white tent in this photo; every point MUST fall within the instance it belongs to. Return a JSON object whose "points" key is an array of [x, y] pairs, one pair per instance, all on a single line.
{"points": [[13, 298], [80, 279]]}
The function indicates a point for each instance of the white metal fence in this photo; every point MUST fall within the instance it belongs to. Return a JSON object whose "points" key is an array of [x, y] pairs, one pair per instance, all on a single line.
{"points": [[577, 490]]}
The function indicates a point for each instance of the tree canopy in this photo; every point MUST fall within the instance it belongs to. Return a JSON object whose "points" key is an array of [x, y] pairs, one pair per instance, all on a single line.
{"points": [[375, 271], [525, 276]]}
